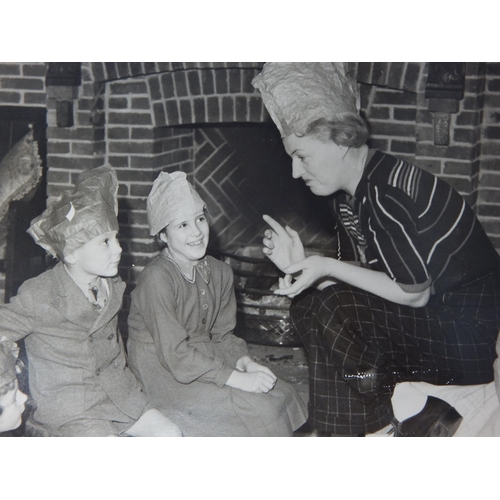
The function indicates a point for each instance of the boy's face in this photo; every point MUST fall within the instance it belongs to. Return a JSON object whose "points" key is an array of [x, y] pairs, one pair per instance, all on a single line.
{"points": [[98, 257], [12, 404], [187, 238]]}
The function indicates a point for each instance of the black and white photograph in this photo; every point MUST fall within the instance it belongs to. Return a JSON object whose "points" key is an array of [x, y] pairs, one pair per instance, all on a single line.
{"points": [[235, 250]]}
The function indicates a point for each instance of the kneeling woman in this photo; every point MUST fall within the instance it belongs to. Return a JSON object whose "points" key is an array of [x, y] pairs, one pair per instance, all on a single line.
{"points": [[181, 346], [415, 292]]}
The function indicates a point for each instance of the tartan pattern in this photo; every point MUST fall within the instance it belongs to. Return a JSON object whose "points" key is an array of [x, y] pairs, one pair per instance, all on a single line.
{"points": [[360, 345]]}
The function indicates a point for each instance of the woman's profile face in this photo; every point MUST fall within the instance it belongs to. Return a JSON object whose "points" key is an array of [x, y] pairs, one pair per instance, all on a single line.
{"points": [[319, 164]]}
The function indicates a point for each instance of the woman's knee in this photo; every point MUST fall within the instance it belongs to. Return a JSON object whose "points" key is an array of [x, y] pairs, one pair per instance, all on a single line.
{"points": [[331, 302]]}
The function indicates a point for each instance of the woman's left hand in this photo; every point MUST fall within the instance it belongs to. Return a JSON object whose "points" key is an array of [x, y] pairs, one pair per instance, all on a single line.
{"points": [[312, 269]]}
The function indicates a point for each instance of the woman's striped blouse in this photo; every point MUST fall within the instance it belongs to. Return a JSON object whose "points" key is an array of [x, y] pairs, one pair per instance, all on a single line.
{"points": [[413, 226]]}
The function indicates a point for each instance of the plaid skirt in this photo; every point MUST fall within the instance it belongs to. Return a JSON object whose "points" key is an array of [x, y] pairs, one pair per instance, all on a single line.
{"points": [[359, 346]]}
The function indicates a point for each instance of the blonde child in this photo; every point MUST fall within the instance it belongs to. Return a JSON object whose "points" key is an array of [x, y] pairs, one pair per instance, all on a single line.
{"points": [[78, 376], [181, 343]]}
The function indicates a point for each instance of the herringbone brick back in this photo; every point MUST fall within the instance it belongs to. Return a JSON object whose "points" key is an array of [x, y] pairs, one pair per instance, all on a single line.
{"points": [[242, 174]]}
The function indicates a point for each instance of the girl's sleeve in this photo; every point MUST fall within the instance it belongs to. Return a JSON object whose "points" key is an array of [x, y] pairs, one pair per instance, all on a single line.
{"points": [[392, 229], [155, 294], [233, 347]]}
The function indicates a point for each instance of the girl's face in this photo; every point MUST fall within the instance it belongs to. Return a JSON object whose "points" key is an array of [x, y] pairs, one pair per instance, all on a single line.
{"points": [[319, 164], [187, 238], [12, 404]]}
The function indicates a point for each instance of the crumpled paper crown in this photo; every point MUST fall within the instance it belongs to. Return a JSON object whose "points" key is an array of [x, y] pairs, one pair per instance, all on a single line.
{"points": [[171, 197], [8, 359], [298, 93], [74, 219], [20, 172]]}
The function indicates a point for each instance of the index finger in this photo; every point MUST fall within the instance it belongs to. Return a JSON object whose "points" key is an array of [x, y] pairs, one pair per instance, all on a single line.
{"points": [[278, 228]]}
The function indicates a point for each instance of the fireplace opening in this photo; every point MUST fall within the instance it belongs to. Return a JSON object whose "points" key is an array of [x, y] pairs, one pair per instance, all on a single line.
{"points": [[242, 172]]}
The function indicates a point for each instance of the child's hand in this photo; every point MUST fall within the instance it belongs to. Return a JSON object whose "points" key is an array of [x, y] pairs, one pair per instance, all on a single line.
{"points": [[257, 382], [246, 364]]}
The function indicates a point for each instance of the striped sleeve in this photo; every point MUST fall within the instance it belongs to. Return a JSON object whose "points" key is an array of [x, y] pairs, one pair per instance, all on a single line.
{"points": [[392, 233]]}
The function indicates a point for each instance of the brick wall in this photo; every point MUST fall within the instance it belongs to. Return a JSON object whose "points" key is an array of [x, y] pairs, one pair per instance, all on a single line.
{"points": [[22, 84], [489, 172], [397, 111], [458, 162], [207, 120], [394, 103]]}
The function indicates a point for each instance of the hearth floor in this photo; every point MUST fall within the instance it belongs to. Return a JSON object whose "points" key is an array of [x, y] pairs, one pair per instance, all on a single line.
{"points": [[287, 363]]}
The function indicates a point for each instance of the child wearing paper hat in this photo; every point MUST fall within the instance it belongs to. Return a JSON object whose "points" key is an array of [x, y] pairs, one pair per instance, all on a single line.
{"points": [[78, 376], [181, 343], [76, 217]]}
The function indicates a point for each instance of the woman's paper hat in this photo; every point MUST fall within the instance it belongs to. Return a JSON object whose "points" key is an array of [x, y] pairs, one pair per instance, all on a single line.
{"points": [[298, 93]]}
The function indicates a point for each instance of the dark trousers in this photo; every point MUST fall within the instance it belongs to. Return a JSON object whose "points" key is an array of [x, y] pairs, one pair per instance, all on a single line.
{"points": [[359, 346]]}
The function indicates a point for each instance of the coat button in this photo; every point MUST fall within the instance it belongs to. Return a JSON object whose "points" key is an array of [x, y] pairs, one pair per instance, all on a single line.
{"points": [[97, 372], [111, 336], [204, 320], [205, 306]]}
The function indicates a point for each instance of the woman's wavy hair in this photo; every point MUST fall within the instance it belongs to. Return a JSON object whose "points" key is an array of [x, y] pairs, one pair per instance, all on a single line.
{"points": [[348, 130]]}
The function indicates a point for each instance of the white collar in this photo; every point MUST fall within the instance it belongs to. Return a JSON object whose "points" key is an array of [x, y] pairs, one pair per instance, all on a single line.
{"points": [[201, 266]]}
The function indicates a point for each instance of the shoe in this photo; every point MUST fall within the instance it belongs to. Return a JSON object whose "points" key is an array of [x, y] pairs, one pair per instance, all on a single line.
{"points": [[308, 431], [437, 419]]}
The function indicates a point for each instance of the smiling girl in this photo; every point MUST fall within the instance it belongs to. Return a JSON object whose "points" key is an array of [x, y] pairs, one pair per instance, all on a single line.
{"points": [[181, 343]]}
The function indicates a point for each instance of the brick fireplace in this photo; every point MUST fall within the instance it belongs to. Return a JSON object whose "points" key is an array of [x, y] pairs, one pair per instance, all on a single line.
{"points": [[207, 120]]}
